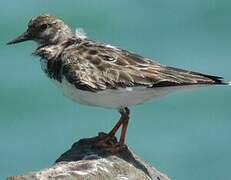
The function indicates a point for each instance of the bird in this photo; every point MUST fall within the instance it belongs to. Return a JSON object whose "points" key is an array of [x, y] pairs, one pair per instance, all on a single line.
{"points": [[98, 74]]}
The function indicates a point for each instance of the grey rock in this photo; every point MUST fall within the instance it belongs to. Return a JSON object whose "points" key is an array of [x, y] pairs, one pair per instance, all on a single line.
{"points": [[87, 162]]}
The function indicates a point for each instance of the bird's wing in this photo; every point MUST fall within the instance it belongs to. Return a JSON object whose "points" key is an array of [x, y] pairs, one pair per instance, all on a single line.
{"points": [[93, 66]]}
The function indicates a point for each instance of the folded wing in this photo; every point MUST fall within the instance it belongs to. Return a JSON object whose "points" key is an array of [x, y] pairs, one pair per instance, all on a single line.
{"points": [[92, 66]]}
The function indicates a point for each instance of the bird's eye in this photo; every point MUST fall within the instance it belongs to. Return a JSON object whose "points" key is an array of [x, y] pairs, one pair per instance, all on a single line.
{"points": [[43, 27]]}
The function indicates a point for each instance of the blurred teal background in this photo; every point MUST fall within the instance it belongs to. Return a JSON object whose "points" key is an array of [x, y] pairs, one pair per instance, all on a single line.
{"points": [[186, 135]]}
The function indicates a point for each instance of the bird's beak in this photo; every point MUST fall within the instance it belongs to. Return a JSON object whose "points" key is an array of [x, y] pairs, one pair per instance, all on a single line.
{"points": [[23, 37]]}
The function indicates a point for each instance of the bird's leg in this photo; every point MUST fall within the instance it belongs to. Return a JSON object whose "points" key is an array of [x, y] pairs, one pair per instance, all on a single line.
{"points": [[107, 139], [124, 127], [123, 121]]}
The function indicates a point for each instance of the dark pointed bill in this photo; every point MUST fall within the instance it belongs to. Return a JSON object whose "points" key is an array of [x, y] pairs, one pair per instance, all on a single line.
{"points": [[23, 37]]}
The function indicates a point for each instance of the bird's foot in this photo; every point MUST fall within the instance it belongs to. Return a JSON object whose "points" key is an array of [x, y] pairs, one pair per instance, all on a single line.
{"points": [[116, 148], [110, 143], [107, 142]]}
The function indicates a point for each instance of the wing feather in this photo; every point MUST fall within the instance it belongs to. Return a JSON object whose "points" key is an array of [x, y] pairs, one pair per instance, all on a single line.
{"points": [[93, 66]]}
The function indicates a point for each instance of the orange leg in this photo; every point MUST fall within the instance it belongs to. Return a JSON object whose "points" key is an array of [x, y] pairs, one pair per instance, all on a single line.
{"points": [[124, 130], [106, 139]]}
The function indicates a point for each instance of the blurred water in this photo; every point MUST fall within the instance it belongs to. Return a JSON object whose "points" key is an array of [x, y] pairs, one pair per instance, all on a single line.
{"points": [[186, 135]]}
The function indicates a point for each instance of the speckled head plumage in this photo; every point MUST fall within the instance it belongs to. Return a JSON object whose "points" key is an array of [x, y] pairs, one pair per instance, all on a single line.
{"points": [[45, 29]]}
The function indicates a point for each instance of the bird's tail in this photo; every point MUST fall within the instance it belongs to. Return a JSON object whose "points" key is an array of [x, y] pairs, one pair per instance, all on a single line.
{"points": [[194, 78]]}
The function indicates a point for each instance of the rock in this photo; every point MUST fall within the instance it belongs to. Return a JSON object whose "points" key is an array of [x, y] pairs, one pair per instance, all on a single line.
{"points": [[87, 162]]}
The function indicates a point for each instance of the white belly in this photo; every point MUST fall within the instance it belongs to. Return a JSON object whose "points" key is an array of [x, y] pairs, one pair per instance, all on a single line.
{"points": [[112, 98]]}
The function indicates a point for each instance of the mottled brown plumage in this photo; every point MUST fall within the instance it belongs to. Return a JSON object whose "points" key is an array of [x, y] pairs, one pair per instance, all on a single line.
{"points": [[97, 74], [95, 66], [100, 67]]}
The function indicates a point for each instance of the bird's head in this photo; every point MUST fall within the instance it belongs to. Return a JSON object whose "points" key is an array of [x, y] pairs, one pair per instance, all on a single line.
{"points": [[45, 29]]}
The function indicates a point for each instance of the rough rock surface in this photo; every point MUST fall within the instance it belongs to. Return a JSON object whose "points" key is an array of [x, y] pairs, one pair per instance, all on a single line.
{"points": [[86, 162]]}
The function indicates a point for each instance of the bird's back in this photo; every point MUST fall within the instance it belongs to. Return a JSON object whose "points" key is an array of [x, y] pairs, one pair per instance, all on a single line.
{"points": [[95, 67], [102, 75]]}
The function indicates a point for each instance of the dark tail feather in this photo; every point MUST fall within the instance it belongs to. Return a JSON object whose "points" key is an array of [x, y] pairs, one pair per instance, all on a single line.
{"points": [[216, 79], [210, 78]]}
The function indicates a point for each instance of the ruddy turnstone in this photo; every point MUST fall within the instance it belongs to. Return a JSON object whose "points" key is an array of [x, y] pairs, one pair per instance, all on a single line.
{"points": [[98, 74]]}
